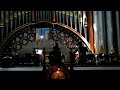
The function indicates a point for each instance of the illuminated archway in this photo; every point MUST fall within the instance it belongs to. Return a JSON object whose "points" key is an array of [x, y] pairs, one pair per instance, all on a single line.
{"points": [[25, 33]]}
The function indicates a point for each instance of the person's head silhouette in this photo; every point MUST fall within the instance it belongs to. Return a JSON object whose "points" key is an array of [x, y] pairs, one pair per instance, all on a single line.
{"points": [[56, 48]]}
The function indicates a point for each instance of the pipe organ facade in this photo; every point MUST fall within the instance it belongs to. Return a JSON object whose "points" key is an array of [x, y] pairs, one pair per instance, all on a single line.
{"points": [[97, 27]]}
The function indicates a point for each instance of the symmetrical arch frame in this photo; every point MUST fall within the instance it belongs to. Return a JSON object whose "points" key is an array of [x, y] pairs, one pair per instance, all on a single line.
{"points": [[25, 33]]}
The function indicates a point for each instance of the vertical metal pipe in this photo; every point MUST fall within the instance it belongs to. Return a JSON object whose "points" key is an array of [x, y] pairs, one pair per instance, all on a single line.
{"points": [[90, 28], [73, 21], [6, 23], [69, 18], [2, 24], [77, 22], [4, 33], [109, 30], [118, 30], [11, 20]]}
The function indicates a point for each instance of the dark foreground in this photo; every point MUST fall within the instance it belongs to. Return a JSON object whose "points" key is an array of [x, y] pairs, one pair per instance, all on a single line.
{"points": [[79, 75]]}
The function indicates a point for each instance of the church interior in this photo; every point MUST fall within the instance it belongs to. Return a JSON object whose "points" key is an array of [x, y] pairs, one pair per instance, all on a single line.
{"points": [[59, 44]]}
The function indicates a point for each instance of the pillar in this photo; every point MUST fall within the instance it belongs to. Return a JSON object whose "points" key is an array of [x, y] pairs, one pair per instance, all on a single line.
{"points": [[49, 15], [109, 30], [6, 23], [105, 42], [84, 24], [53, 16], [19, 18], [75, 20], [27, 20], [90, 28], [101, 38], [118, 30], [11, 21], [80, 21], [15, 19], [33, 16], [71, 19], [1, 25]]}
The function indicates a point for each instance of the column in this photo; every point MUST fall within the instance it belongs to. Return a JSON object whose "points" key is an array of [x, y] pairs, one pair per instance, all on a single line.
{"points": [[67, 17], [1, 32], [4, 16], [23, 17], [15, 18], [80, 22], [1, 25], [109, 31], [33, 16], [43, 15], [64, 15], [53, 16], [114, 26], [105, 32], [85, 24], [75, 20], [70, 18], [11, 20], [9, 26], [30, 16], [38, 15], [118, 30], [27, 16], [46, 15], [19, 18], [49, 15], [101, 33], [60, 16], [6, 22], [96, 31], [91, 32]]}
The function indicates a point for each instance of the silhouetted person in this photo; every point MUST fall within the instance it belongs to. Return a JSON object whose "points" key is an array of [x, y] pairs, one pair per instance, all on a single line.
{"points": [[55, 56], [72, 58], [82, 52], [90, 56], [102, 58], [113, 57]]}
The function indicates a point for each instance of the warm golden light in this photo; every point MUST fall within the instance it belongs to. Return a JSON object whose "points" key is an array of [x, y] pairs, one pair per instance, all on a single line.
{"points": [[58, 68], [57, 72]]}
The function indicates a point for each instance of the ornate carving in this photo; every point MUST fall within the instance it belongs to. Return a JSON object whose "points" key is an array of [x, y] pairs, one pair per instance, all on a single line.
{"points": [[58, 32], [64, 36], [20, 38]]}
